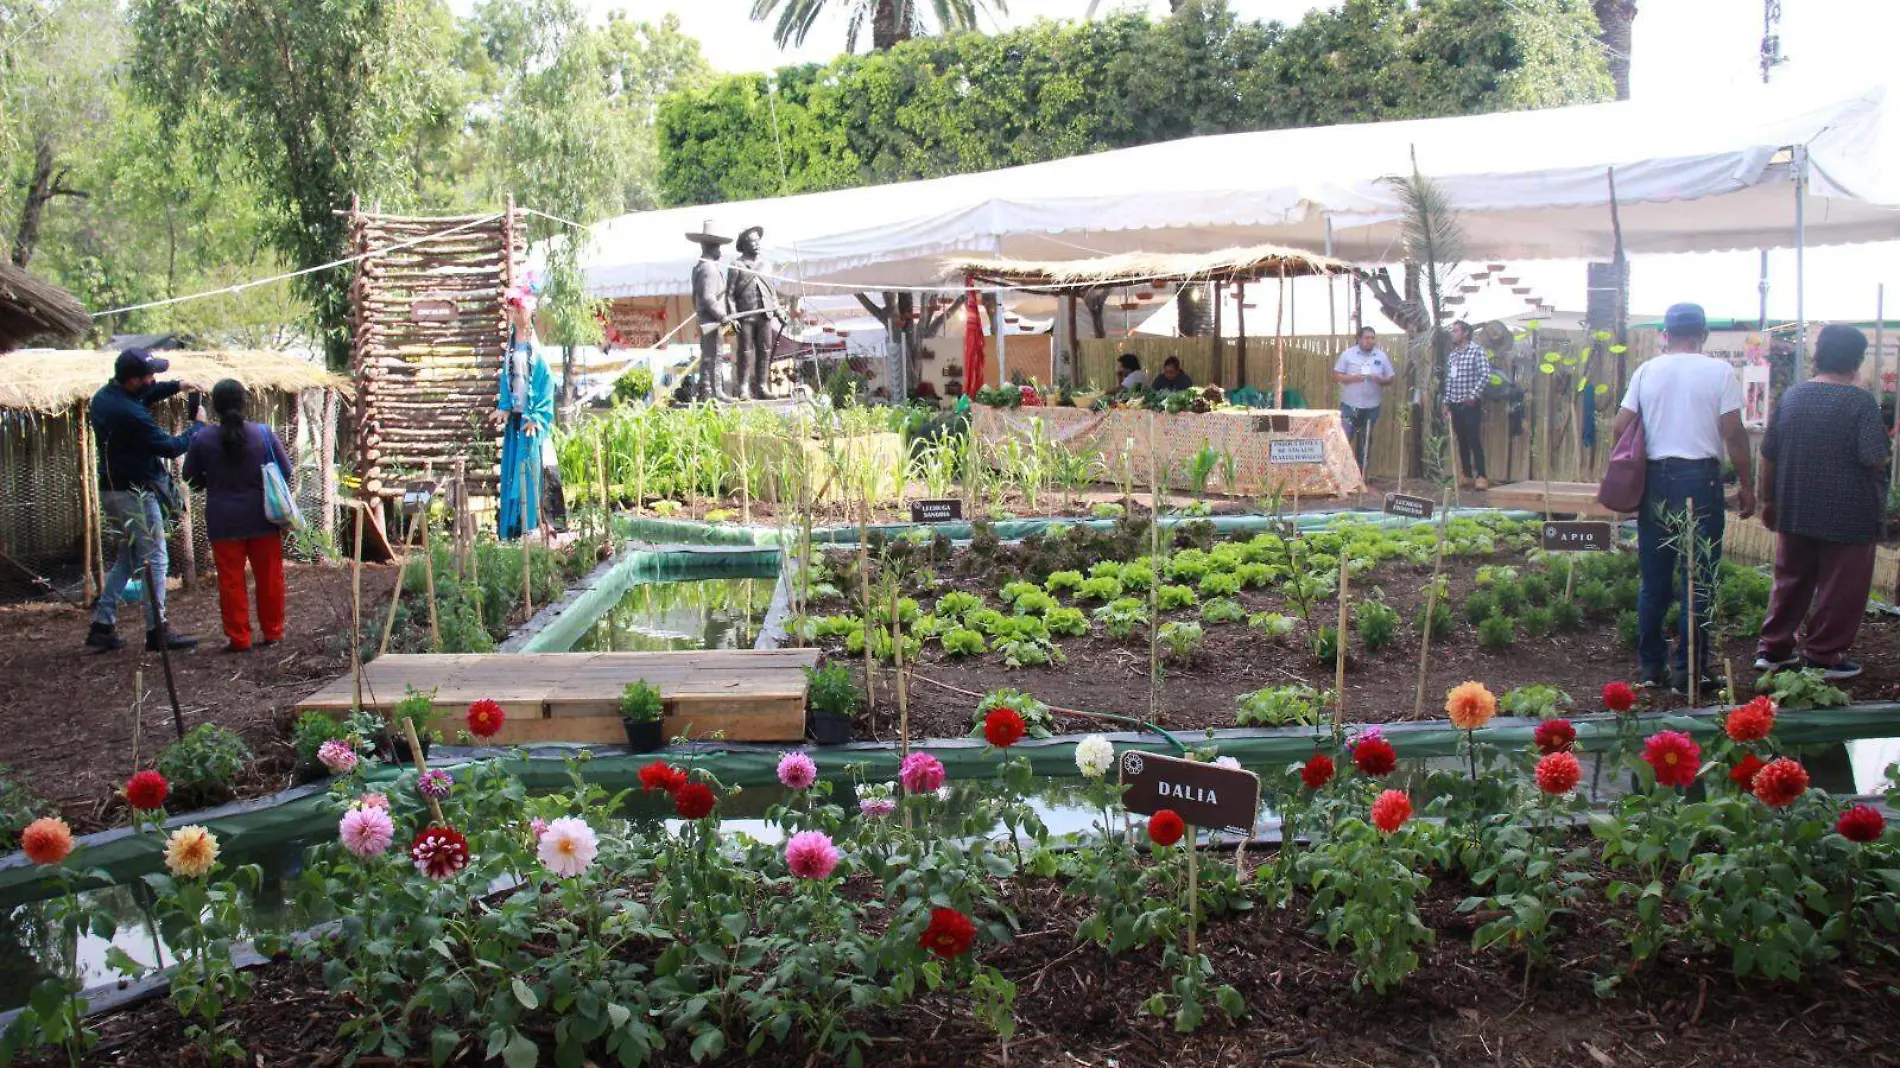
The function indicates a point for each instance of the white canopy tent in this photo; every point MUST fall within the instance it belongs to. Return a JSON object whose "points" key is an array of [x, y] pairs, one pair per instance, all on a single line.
{"points": [[1691, 175]]}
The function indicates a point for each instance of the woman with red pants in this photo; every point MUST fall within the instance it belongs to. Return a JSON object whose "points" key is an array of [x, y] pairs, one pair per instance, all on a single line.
{"points": [[226, 460]]}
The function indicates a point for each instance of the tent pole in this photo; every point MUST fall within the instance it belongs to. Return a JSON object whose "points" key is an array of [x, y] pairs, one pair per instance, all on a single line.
{"points": [[1279, 346], [1240, 333], [1332, 317], [1800, 263], [1213, 336]]}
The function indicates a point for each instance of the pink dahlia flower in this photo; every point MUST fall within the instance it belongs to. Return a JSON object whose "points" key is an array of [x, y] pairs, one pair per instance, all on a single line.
{"points": [[810, 855]]}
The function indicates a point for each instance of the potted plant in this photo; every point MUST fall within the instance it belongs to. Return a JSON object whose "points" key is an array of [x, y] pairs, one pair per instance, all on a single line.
{"points": [[640, 713], [417, 707], [832, 699]]}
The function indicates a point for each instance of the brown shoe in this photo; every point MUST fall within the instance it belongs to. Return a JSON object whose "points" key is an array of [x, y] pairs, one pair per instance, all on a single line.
{"points": [[1481, 484]]}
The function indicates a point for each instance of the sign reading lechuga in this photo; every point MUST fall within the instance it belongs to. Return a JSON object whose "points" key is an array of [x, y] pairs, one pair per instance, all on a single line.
{"points": [[1204, 795]]}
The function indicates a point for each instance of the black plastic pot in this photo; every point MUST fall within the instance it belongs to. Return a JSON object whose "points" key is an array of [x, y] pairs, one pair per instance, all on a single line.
{"points": [[829, 728], [309, 771], [643, 736], [398, 747]]}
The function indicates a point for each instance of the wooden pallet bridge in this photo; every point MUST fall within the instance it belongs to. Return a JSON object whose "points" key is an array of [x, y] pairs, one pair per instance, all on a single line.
{"points": [[745, 695]]}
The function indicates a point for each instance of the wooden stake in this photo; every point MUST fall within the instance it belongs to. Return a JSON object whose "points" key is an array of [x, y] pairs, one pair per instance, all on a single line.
{"points": [[1689, 624], [903, 687], [1431, 606], [606, 504], [422, 766], [164, 648], [1279, 346], [1339, 650], [82, 430], [395, 598], [428, 583], [356, 607], [1154, 587], [1194, 891]]}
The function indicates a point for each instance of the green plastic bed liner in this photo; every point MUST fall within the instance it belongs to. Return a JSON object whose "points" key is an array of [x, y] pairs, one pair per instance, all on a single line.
{"points": [[256, 826], [557, 627]]}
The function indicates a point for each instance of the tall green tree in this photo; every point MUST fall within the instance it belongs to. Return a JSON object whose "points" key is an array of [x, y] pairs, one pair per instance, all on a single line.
{"points": [[892, 21], [319, 95], [58, 74]]}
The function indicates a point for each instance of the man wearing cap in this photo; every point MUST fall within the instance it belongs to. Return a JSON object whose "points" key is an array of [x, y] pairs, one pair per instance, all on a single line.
{"points": [[712, 308], [755, 311], [133, 484], [1691, 408]]}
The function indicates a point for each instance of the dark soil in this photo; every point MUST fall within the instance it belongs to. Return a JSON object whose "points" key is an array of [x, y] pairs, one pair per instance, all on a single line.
{"points": [[1076, 1005], [69, 713], [1106, 674]]}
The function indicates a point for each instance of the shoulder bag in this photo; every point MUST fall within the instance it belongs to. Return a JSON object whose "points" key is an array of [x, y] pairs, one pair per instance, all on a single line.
{"points": [[1621, 490]]}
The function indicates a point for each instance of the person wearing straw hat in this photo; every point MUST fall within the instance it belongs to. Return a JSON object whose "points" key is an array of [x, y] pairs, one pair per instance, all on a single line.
{"points": [[755, 310], [710, 304]]}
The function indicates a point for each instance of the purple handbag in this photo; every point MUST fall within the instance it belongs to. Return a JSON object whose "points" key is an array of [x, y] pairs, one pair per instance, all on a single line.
{"points": [[1622, 487]]}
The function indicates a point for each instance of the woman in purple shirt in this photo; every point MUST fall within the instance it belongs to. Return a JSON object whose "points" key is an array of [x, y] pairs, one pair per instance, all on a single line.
{"points": [[226, 460]]}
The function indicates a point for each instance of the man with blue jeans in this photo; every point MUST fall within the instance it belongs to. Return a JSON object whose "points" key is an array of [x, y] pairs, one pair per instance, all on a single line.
{"points": [[1691, 408], [132, 483], [1362, 372]]}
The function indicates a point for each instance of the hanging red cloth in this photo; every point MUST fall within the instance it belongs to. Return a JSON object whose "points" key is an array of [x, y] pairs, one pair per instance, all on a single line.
{"points": [[972, 339]]}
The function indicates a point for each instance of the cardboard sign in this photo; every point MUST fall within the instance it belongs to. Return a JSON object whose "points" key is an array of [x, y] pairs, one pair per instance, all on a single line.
{"points": [[1578, 536], [1296, 451], [1409, 506], [433, 311], [1205, 795], [937, 510], [636, 322]]}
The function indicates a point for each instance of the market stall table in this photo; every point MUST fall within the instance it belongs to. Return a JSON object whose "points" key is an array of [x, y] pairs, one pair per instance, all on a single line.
{"points": [[1301, 451]]}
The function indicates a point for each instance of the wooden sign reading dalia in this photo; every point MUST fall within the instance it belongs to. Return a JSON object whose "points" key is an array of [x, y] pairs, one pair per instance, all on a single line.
{"points": [[1204, 795]]}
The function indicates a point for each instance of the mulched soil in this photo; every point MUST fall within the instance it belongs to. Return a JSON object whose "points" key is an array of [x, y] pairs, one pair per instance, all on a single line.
{"points": [[69, 713], [1076, 1005], [1107, 674]]}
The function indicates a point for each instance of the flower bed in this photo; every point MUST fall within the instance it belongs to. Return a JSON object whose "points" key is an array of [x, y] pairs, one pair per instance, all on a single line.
{"points": [[1462, 912], [1247, 623]]}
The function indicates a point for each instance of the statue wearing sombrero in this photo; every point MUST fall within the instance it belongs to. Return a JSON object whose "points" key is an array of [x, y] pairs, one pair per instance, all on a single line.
{"points": [[712, 308], [755, 313]]}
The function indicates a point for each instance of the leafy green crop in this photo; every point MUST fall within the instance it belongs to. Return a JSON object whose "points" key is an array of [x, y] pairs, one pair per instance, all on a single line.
{"points": [[961, 641], [1281, 706], [1497, 632], [1173, 598], [1222, 610], [1065, 620], [1376, 622]]}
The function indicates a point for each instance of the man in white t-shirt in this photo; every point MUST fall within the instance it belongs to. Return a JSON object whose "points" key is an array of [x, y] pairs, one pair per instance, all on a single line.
{"points": [[1362, 372], [1691, 408]]}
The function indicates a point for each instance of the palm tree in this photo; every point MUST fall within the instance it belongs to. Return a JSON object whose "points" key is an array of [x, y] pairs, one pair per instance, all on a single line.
{"points": [[892, 21]]}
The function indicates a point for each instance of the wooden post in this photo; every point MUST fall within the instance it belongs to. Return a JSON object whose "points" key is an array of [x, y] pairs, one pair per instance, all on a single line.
{"points": [[395, 598], [1240, 344], [1339, 650], [428, 583], [903, 687], [1279, 346], [606, 503], [1075, 342], [164, 646], [82, 433], [1213, 336], [356, 608], [1431, 605]]}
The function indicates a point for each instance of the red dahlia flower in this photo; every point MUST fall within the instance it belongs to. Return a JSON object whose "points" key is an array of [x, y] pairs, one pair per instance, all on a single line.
{"points": [[1555, 736], [1752, 721], [1003, 728], [949, 934], [1558, 773], [1317, 772], [1618, 696], [1166, 827], [439, 852], [694, 801], [1743, 773], [485, 718], [660, 775], [1391, 810], [1375, 757], [1862, 823], [1781, 783], [146, 791], [1674, 755]]}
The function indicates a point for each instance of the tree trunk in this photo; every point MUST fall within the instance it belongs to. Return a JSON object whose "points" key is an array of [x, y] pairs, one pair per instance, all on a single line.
{"points": [[42, 187], [889, 26], [567, 385], [1096, 301], [1616, 20]]}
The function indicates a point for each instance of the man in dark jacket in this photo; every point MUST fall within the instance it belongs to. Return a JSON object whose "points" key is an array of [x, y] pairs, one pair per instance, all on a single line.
{"points": [[133, 482]]}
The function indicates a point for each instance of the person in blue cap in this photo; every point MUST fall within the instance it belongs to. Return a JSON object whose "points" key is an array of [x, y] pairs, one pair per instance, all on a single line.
{"points": [[135, 489], [1691, 408]]}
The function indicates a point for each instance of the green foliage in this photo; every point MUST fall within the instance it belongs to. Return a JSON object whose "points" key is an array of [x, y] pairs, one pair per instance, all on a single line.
{"points": [[1365, 889], [1063, 580], [1121, 616], [1065, 620], [18, 806], [1803, 689], [1038, 721], [1564, 615], [957, 604], [634, 385], [1441, 620], [1034, 603], [1180, 639], [1272, 624], [640, 701], [1629, 628], [1015, 589], [1535, 701], [1105, 588], [1188, 565], [1137, 576], [1536, 588], [1222, 610], [1106, 510], [1508, 596], [206, 763], [1253, 575], [1326, 645], [1376, 623], [1479, 605], [830, 691], [1281, 706], [1538, 622], [1174, 598], [1220, 584], [961, 641], [312, 729], [1497, 632]]}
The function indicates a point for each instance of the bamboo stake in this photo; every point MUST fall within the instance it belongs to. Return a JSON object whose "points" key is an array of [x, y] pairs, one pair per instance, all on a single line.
{"points": [[395, 597], [1154, 587], [422, 767], [1279, 346], [1431, 605], [84, 434], [1194, 894], [864, 592], [1339, 650], [606, 505], [1689, 622], [428, 583], [356, 607], [903, 688]]}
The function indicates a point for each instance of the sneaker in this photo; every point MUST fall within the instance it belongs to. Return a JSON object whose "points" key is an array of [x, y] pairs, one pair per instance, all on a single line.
{"points": [[230, 648], [1708, 688], [1845, 669], [1652, 677], [102, 639], [1765, 662], [173, 641]]}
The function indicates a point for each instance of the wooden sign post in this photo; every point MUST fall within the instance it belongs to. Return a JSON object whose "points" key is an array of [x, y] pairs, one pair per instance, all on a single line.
{"points": [[937, 510], [1203, 795], [1578, 536]]}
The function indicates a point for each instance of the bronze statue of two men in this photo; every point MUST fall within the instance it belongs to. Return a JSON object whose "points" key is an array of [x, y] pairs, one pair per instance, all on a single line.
{"points": [[738, 296]]}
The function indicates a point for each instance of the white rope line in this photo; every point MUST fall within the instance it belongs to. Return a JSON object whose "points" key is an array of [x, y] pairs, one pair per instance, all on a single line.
{"points": [[242, 286]]}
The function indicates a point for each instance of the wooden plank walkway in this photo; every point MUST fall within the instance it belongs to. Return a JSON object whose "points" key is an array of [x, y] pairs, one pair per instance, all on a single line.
{"points": [[743, 694]]}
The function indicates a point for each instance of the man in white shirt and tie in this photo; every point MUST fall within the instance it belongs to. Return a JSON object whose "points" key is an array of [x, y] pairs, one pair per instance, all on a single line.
{"points": [[1362, 371]]}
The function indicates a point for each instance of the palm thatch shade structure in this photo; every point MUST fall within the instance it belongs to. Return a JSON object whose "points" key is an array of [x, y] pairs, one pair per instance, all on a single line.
{"points": [[48, 501], [30, 308], [51, 381], [1134, 268]]}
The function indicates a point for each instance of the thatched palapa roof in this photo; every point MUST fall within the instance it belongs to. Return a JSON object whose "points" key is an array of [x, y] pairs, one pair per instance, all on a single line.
{"points": [[50, 381], [1133, 268], [30, 308]]}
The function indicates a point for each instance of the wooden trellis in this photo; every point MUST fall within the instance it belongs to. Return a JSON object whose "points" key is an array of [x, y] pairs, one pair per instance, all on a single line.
{"points": [[428, 345]]}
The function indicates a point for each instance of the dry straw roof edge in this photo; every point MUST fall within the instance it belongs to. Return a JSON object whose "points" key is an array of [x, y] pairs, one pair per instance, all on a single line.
{"points": [[1128, 268], [52, 380], [31, 308]]}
